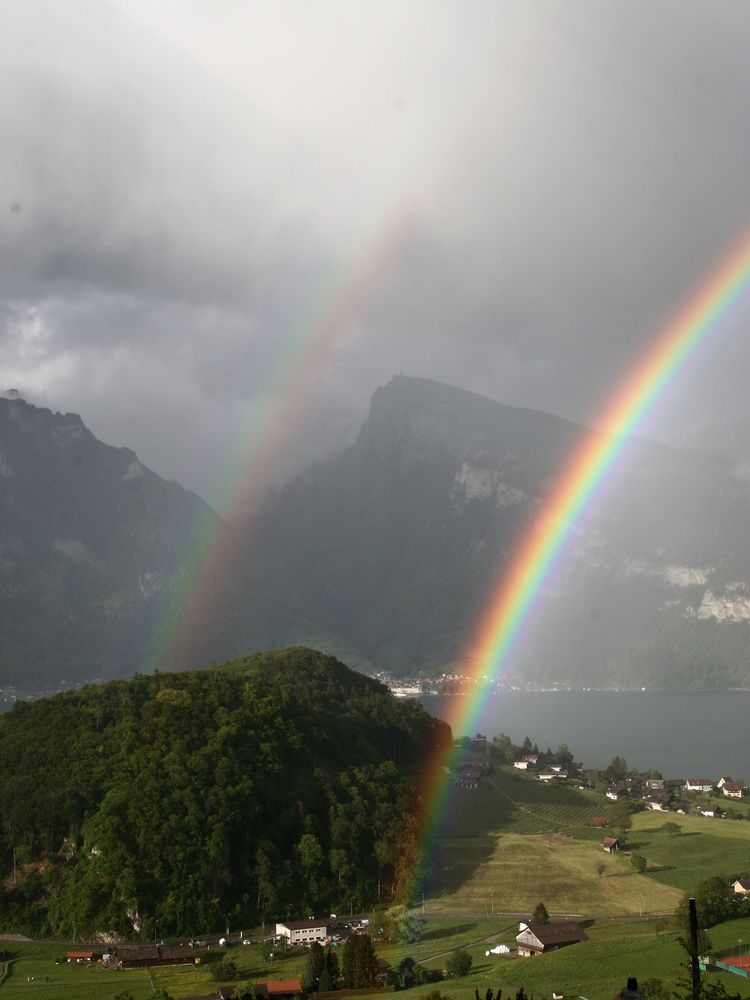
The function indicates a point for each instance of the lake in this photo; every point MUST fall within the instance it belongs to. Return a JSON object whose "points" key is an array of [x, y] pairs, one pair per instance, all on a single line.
{"points": [[681, 733]]}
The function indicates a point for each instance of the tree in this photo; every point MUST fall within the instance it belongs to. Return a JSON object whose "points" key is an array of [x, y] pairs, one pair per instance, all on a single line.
{"points": [[244, 992], [655, 989], [313, 968], [225, 968], [670, 828], [330, 969], [620, 818], [360, 963], [638, 862], [540, 915], [617, 770], [159, 993], [714, 903], [459, 964], [402, 925]]}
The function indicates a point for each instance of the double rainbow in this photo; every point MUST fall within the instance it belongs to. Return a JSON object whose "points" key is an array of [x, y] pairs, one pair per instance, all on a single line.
{"points": [[677, 344]]}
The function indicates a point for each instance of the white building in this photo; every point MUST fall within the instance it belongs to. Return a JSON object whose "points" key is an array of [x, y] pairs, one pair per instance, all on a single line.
{"points": [[303, 931]]}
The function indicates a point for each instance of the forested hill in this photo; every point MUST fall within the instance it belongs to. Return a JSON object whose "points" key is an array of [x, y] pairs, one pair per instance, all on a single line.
{"points": [[277, 783]]}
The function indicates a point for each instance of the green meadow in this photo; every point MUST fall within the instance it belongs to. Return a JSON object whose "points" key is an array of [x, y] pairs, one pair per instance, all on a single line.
{"points": [[505, 847]]}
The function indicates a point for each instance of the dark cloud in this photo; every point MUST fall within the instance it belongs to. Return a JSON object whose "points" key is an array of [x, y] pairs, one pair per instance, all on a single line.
{"points": [[189, 191]]}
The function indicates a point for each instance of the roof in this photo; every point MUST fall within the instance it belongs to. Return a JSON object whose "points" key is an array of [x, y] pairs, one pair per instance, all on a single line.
{"points": [[278, 987], [79, 954], [610, 841], [138, 952], [299, 925], [744, 883], [565, 933], [176, 951], [599, 820]]}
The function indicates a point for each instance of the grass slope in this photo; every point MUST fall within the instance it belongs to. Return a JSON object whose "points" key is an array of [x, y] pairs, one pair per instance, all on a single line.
{"points": [[705, 847], [515, 841]]}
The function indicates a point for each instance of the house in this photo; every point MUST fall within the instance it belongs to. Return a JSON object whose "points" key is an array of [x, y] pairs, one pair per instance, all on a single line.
{"points": [[741, 886], [699, 785], [137, 956], [303, 931], [538, 939], [615, 792], [722, 781], [714, 812], [659, 800], [655, 784], [733, 789], [278, 989], [611, 844], [142, 955], [79, 957], [522, 765], [599, 821]]}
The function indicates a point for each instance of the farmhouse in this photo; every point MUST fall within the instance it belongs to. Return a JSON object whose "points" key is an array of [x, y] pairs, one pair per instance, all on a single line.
{"points": [[538, 939], [713, 812], [659, 800], [599, 821], [699, 785], [278, 989], [143, 955], [615, 792], [303, 931], [733, 789], [611, 844], [79, 957], [741, 886]]}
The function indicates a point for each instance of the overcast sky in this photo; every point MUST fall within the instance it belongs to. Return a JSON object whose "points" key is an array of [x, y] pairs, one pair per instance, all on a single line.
{"points": [[210, 209]]}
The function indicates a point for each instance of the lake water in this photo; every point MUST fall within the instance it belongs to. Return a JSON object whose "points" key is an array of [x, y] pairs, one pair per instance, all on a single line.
{"points": [[681, 733]]}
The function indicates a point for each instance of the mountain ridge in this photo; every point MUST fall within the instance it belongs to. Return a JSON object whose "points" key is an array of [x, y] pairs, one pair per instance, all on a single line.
{"points": [[387, 554]]}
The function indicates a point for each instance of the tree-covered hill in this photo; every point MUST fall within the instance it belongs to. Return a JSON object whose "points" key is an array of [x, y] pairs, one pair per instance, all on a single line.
{"points": [[276, 784]]}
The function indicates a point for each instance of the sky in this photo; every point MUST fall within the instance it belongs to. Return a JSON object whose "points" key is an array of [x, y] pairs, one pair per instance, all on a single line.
{"points": [[227, 223]]}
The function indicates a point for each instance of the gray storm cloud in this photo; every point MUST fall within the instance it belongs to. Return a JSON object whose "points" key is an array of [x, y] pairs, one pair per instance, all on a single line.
{"points": [[183, 185]]}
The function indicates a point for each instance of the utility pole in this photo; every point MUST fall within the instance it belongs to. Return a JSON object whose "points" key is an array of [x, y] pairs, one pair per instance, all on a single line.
{"points": [[695, 972]]}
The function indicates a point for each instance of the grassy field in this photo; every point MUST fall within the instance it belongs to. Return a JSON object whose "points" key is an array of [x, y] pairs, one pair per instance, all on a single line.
{"points": [[515, 841], [705, 847], [505, 847], [558, 870], [595, 969]]}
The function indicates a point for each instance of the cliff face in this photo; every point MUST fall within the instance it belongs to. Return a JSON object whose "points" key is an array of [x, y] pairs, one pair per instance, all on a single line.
{"points": [[392, 550]]}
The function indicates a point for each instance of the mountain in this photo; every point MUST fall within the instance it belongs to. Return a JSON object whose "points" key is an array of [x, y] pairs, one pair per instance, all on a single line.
{"points": [[280, 782], [389, 553], [91, 542], [385, 556]]}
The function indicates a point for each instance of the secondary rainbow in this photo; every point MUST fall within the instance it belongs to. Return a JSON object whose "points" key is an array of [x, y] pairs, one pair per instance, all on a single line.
{"points": [[510, 606], [334, 304]]}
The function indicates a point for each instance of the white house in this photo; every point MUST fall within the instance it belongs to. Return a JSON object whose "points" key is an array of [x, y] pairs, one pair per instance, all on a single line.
{"points": [[699, 785], [303, 931]]}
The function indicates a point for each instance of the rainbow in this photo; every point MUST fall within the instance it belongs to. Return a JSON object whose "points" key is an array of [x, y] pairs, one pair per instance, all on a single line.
{"points": [[540, 551], [211, 550]]}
